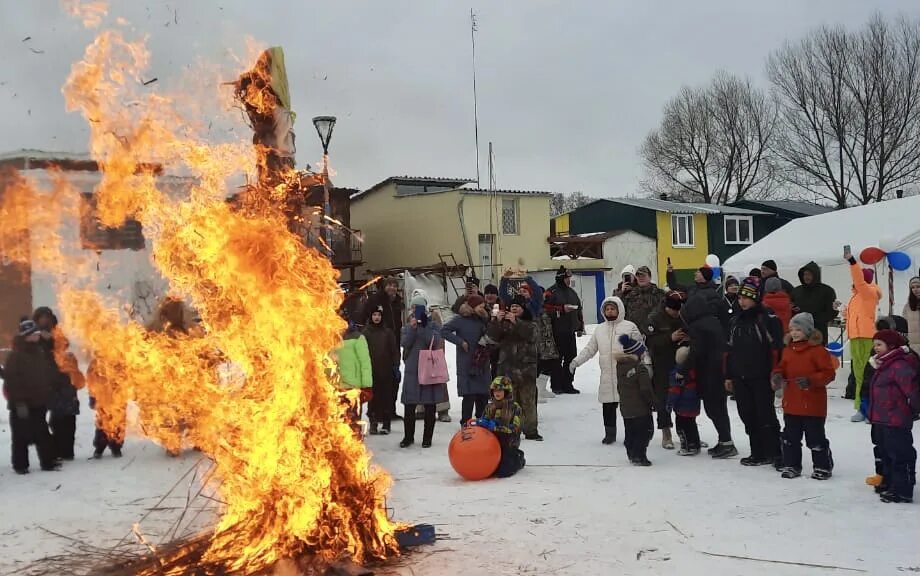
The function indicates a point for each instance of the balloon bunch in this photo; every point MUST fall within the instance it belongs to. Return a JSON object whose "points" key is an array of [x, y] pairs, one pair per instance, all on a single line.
{"points": [[899, 261], [714, 264]]}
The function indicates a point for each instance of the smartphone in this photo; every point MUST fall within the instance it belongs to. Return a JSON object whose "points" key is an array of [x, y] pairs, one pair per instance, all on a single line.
{"points": [[847, 251], [495, 310]]}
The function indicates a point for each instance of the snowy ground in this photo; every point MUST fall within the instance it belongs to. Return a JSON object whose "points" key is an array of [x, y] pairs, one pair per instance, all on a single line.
{"points": [[577, 508]]}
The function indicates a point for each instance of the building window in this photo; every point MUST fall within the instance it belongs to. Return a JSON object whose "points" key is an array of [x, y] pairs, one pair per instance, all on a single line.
{"points": [[682, 230], [510, 217], [739, 230], [95, 236]]}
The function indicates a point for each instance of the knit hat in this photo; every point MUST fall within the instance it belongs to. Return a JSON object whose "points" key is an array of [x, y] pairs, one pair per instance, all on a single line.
{"points": [[490, 289], [563, 272], [27, 326], [418, 300], [674, 300], [475, 300], [750, 288], [520, 301], [804, 322], [732, 281], [771, 264], [682, 354], [891, 338], [502, 383], [644, 270], [628, 270], [756, 273], [868, 275], [706, 272], [772, 285], [631, 346]]}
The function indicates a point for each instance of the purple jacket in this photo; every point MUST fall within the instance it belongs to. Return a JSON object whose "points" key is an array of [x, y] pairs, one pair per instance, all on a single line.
{"points": [[895, 390]]}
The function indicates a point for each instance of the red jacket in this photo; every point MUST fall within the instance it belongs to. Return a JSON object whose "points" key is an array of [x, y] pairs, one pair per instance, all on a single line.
{"points": [[781, 304], [806, 360]]}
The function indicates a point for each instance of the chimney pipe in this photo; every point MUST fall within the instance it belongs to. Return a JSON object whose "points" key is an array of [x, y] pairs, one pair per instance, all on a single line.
{"points": [[899, 193]]}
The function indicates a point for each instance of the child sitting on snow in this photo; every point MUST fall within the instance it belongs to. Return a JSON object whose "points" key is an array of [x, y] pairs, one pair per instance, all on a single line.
{"points": [[637, 397], [684, 400], [804, 372], [503, 417], [893, 406]]}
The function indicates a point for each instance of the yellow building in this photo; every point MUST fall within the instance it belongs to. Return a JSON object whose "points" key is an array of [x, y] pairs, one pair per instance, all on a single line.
{"points": [[411, 222]]}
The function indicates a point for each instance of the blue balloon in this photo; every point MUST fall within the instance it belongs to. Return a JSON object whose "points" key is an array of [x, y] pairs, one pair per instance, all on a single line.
{"points": [[716, 272], [899, 261]]}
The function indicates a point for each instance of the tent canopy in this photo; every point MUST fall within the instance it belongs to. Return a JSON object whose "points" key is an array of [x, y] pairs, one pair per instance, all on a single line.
{"points": [[890, 225]]}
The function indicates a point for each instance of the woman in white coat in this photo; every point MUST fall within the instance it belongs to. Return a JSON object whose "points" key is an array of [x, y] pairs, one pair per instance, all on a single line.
{"points": [[606, 342]]}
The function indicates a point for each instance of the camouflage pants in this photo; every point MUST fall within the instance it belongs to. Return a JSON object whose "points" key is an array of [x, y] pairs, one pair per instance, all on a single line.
{"points": [[525, 394]]}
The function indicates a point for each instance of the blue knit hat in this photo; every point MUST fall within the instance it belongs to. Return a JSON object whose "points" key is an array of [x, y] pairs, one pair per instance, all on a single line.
{"points": [[632, 346]]}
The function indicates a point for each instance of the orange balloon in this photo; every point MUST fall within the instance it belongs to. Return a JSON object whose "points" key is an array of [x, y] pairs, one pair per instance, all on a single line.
{"points": [[474, 453]]}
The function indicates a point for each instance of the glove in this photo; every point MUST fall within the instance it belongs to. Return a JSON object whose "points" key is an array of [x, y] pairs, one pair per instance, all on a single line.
{"points": [[22, 411], [397, 375], [803, 382], [485, 423], [580, 334], [92, 402], [777, 381], [366, 395]]}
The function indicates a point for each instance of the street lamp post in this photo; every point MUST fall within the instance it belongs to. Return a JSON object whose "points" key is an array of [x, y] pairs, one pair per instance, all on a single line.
{"points": [[324, 126]]}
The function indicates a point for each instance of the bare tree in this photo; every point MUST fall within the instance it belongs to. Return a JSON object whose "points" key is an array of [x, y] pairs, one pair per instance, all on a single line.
{"points": [[713, 144], [562, 203], [849, 111]]}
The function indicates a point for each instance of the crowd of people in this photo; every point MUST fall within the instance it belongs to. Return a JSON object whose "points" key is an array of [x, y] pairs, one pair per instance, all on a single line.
{"points": [[664, 356]]}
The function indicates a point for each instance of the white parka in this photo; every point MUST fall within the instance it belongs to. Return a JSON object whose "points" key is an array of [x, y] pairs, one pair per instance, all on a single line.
{"points": [[606, 342]]}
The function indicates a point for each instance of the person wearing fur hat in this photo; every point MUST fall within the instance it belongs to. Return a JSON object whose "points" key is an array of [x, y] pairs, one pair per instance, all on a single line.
{"points": [[664, 333], [893, 407], [860, 324], [804, 373], [768, 270], [467, 332], [563, 305], [814, 297], [384, 352], [778, 301], [637, 397], [755, 342], [605, 342], [516, 334], [912, 314], [29, 377], [503, 417]]}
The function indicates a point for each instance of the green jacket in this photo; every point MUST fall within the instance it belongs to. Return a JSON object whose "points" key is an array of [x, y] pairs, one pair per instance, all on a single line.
{"points": [[355, 362]]}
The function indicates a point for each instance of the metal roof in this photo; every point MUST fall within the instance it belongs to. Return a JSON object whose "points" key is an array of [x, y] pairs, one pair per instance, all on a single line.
{"points": [[797, 206], [505, 192], [686, 207], [416, 180]]}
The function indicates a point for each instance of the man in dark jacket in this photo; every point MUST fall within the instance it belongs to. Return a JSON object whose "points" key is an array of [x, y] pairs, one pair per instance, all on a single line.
{"points": [[643, 298], [707, 339], [754, 344], [564, 307], [768, 270], [28, 385], [664, 332], [391, 305], [814, 297]]}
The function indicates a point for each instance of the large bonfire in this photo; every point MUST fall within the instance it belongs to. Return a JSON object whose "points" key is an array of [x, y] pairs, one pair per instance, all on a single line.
{"points": [[294, 481]]}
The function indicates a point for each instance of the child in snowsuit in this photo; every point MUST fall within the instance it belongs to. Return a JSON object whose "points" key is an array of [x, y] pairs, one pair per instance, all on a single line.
{"points": [[804, 372], [503, 417], [28, 379], [637, 397], [893, 407], [684, 400]]}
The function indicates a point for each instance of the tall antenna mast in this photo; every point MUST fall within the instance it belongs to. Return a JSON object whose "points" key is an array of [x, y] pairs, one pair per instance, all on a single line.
{"points": [[473, 30]]}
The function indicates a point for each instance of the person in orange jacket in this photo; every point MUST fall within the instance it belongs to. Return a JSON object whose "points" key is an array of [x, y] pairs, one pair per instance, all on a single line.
{"points": [[804, 373], [860, 318], [778, 301]]}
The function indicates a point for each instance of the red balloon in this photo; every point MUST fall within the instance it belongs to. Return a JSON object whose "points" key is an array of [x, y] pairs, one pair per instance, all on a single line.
{"points": [[474, 453], [872, 255]]}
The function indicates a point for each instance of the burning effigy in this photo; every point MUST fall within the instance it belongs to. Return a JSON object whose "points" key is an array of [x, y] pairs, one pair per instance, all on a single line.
{"points": [[295, 483]]}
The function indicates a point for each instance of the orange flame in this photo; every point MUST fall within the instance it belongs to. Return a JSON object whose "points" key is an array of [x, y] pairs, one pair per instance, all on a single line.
{"points": [[294, 478]]}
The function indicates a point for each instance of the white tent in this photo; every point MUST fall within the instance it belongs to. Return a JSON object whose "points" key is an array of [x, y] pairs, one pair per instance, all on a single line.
{"points": [[893, 225]]}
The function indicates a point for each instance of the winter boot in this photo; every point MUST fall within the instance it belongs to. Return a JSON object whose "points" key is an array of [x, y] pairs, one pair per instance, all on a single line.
{"points": [[116, 451], [756, 461], [97, 454], [374, 429], [428, 431], [688, 451], [891, 497], [385, 430], [535, 436], [820, 474], [443, 416], [409, 431], [610, 435], [789, 472], [724, 450], [667, 442], [542, 391], [858, 417]]}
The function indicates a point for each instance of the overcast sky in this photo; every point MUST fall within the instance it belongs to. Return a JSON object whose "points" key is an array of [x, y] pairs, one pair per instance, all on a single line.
{"points": [[567, 90]]}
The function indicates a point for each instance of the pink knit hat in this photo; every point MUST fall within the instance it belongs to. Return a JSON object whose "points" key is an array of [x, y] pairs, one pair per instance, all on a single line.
{"points": [[869, 275]]}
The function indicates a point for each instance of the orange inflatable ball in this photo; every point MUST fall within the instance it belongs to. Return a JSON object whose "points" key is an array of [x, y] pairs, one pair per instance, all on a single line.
{"points": [[474, 453]]}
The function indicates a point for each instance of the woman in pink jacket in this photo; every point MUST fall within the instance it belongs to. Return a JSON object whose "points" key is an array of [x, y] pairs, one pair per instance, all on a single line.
{"points": [[860, 318]]}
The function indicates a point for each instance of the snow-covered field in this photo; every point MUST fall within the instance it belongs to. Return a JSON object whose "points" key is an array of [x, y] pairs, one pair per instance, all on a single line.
{"points": [[577, 508]]}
